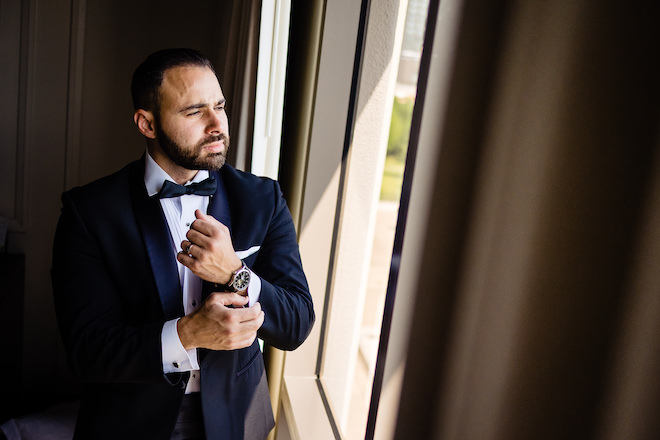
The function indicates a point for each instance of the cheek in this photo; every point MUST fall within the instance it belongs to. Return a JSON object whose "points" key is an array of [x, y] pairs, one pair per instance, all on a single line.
{"points": [[181, 134], [178, 135]]}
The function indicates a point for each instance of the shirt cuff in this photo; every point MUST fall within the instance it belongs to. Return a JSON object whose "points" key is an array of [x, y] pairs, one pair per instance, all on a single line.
{"points": [[254, 289], [176, 359]]}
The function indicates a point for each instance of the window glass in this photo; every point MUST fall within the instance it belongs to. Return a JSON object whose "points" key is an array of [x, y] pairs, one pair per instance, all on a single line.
{"points": [[371, 196]]}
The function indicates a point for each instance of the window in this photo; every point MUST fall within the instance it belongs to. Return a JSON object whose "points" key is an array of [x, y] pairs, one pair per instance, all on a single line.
{"points": [[347, 233]]}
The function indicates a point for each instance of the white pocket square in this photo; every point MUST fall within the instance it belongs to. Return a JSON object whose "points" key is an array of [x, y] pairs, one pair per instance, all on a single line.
{"points": [[244, 254]]}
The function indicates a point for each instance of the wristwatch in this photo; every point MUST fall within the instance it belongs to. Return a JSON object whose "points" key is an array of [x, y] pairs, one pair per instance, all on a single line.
{"points": [[240, 280]]}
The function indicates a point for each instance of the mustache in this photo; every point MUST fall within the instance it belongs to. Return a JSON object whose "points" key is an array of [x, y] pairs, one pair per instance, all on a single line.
{"points": [[214, 138]]}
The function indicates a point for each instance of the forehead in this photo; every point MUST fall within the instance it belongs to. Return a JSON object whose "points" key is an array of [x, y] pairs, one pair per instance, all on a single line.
{"points": [[188, 85]]}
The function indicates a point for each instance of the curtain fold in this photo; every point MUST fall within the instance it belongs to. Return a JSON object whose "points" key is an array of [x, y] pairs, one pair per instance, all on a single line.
{"points": [[238, 74], [538, 282]]}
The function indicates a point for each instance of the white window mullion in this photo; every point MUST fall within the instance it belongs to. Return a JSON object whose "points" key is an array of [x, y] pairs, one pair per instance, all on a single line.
{"points": [[271, 73]]}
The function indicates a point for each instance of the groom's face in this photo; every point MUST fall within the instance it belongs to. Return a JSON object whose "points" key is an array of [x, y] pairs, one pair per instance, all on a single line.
{"points": [[191, 124]]}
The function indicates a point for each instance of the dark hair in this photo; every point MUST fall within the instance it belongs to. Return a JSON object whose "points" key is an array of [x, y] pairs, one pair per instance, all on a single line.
{"points": [[148, 76]]}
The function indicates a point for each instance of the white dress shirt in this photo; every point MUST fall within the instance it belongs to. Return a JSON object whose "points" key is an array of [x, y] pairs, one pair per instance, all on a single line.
{"points": [[180, 213]]}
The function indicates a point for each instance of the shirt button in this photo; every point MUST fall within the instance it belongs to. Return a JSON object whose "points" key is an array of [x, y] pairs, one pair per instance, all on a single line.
{"points": [[194, 303], [176, 364]]}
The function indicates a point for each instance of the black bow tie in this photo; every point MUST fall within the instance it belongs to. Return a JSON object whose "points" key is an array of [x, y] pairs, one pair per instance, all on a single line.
{"points": [[204, 188]]}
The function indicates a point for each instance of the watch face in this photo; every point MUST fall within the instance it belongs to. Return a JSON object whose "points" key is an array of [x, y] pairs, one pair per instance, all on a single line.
{"points": [[241, 280]]}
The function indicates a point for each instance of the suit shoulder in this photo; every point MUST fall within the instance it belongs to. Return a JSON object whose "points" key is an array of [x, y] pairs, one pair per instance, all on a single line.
{"points": [[235, 177], [105, 189]]}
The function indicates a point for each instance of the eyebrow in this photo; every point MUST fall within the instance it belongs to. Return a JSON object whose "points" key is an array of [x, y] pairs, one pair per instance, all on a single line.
{"points": [[201, 105]]}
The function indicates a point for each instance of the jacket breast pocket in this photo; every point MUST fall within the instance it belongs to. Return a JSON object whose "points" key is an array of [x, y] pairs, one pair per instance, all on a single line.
{"points": [[248, 255]]}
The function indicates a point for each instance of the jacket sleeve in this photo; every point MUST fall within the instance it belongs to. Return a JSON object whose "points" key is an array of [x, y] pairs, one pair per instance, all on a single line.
{"points": [[285, 296]]}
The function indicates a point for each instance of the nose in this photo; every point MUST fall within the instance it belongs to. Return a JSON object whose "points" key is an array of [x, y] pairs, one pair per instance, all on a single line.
{"points": [[216, 122]]}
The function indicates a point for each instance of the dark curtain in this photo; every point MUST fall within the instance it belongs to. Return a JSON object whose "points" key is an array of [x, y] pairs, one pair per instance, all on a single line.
{"points": [[538, 309]]}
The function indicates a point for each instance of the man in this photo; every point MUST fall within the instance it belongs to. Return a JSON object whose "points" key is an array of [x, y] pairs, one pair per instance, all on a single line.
{"points": [[161, 290]]}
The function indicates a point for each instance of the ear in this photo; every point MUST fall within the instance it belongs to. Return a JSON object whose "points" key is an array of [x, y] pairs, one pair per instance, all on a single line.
{"points": [[144, 120]]}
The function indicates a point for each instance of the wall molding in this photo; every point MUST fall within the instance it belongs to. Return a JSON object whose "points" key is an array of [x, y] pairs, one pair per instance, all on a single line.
{"points": [[75, 92], [14, 20]]}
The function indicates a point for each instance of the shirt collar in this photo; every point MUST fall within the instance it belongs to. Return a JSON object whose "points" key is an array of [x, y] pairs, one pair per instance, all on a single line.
{"points": [[154, 176]]}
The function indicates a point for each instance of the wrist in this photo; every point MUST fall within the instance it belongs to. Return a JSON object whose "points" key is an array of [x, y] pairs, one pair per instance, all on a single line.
{"points": [[236, 265], [186, 336]]}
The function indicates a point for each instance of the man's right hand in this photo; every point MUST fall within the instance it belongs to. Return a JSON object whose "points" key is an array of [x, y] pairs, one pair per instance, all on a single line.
{"points": [[217, 327]]}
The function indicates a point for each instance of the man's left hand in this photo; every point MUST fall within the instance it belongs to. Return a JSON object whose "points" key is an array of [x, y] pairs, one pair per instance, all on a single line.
{"points": [[208, 251]]}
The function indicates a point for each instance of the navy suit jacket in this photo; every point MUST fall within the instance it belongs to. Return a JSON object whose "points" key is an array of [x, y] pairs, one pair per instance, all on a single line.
{"points": [[115, 283]]}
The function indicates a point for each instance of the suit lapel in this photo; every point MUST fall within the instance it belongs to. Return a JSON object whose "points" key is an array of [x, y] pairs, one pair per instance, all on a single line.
{"points": [[158, 244], [219, 209], [219, 205]]}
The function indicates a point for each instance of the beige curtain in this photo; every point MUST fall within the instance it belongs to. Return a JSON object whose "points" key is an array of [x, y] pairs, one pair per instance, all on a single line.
{"points": [[537, 310]]}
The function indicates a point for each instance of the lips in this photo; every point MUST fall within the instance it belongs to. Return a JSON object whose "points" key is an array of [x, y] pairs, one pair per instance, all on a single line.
{"points": [[214, 147]]}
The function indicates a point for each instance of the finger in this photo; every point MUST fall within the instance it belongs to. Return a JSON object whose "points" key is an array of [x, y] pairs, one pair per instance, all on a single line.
{"points": [[203, 220], [251, 325], [207, 224], [203, 216], [256, 307], [252, 315], [260, 319], [187, 247], [247, 341], [198, 238], [186, 259], [202, 226], [228, 298]]}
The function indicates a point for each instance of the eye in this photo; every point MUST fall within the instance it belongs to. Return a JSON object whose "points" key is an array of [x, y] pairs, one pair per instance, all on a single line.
{"points": [[193, 113]]}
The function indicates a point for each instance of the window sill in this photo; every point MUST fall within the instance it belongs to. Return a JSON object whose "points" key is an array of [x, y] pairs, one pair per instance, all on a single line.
{"points": [[303, 409]]}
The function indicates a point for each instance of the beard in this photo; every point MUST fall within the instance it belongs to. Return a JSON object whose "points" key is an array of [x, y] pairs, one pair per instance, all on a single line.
{"points": [[192, 159]]}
